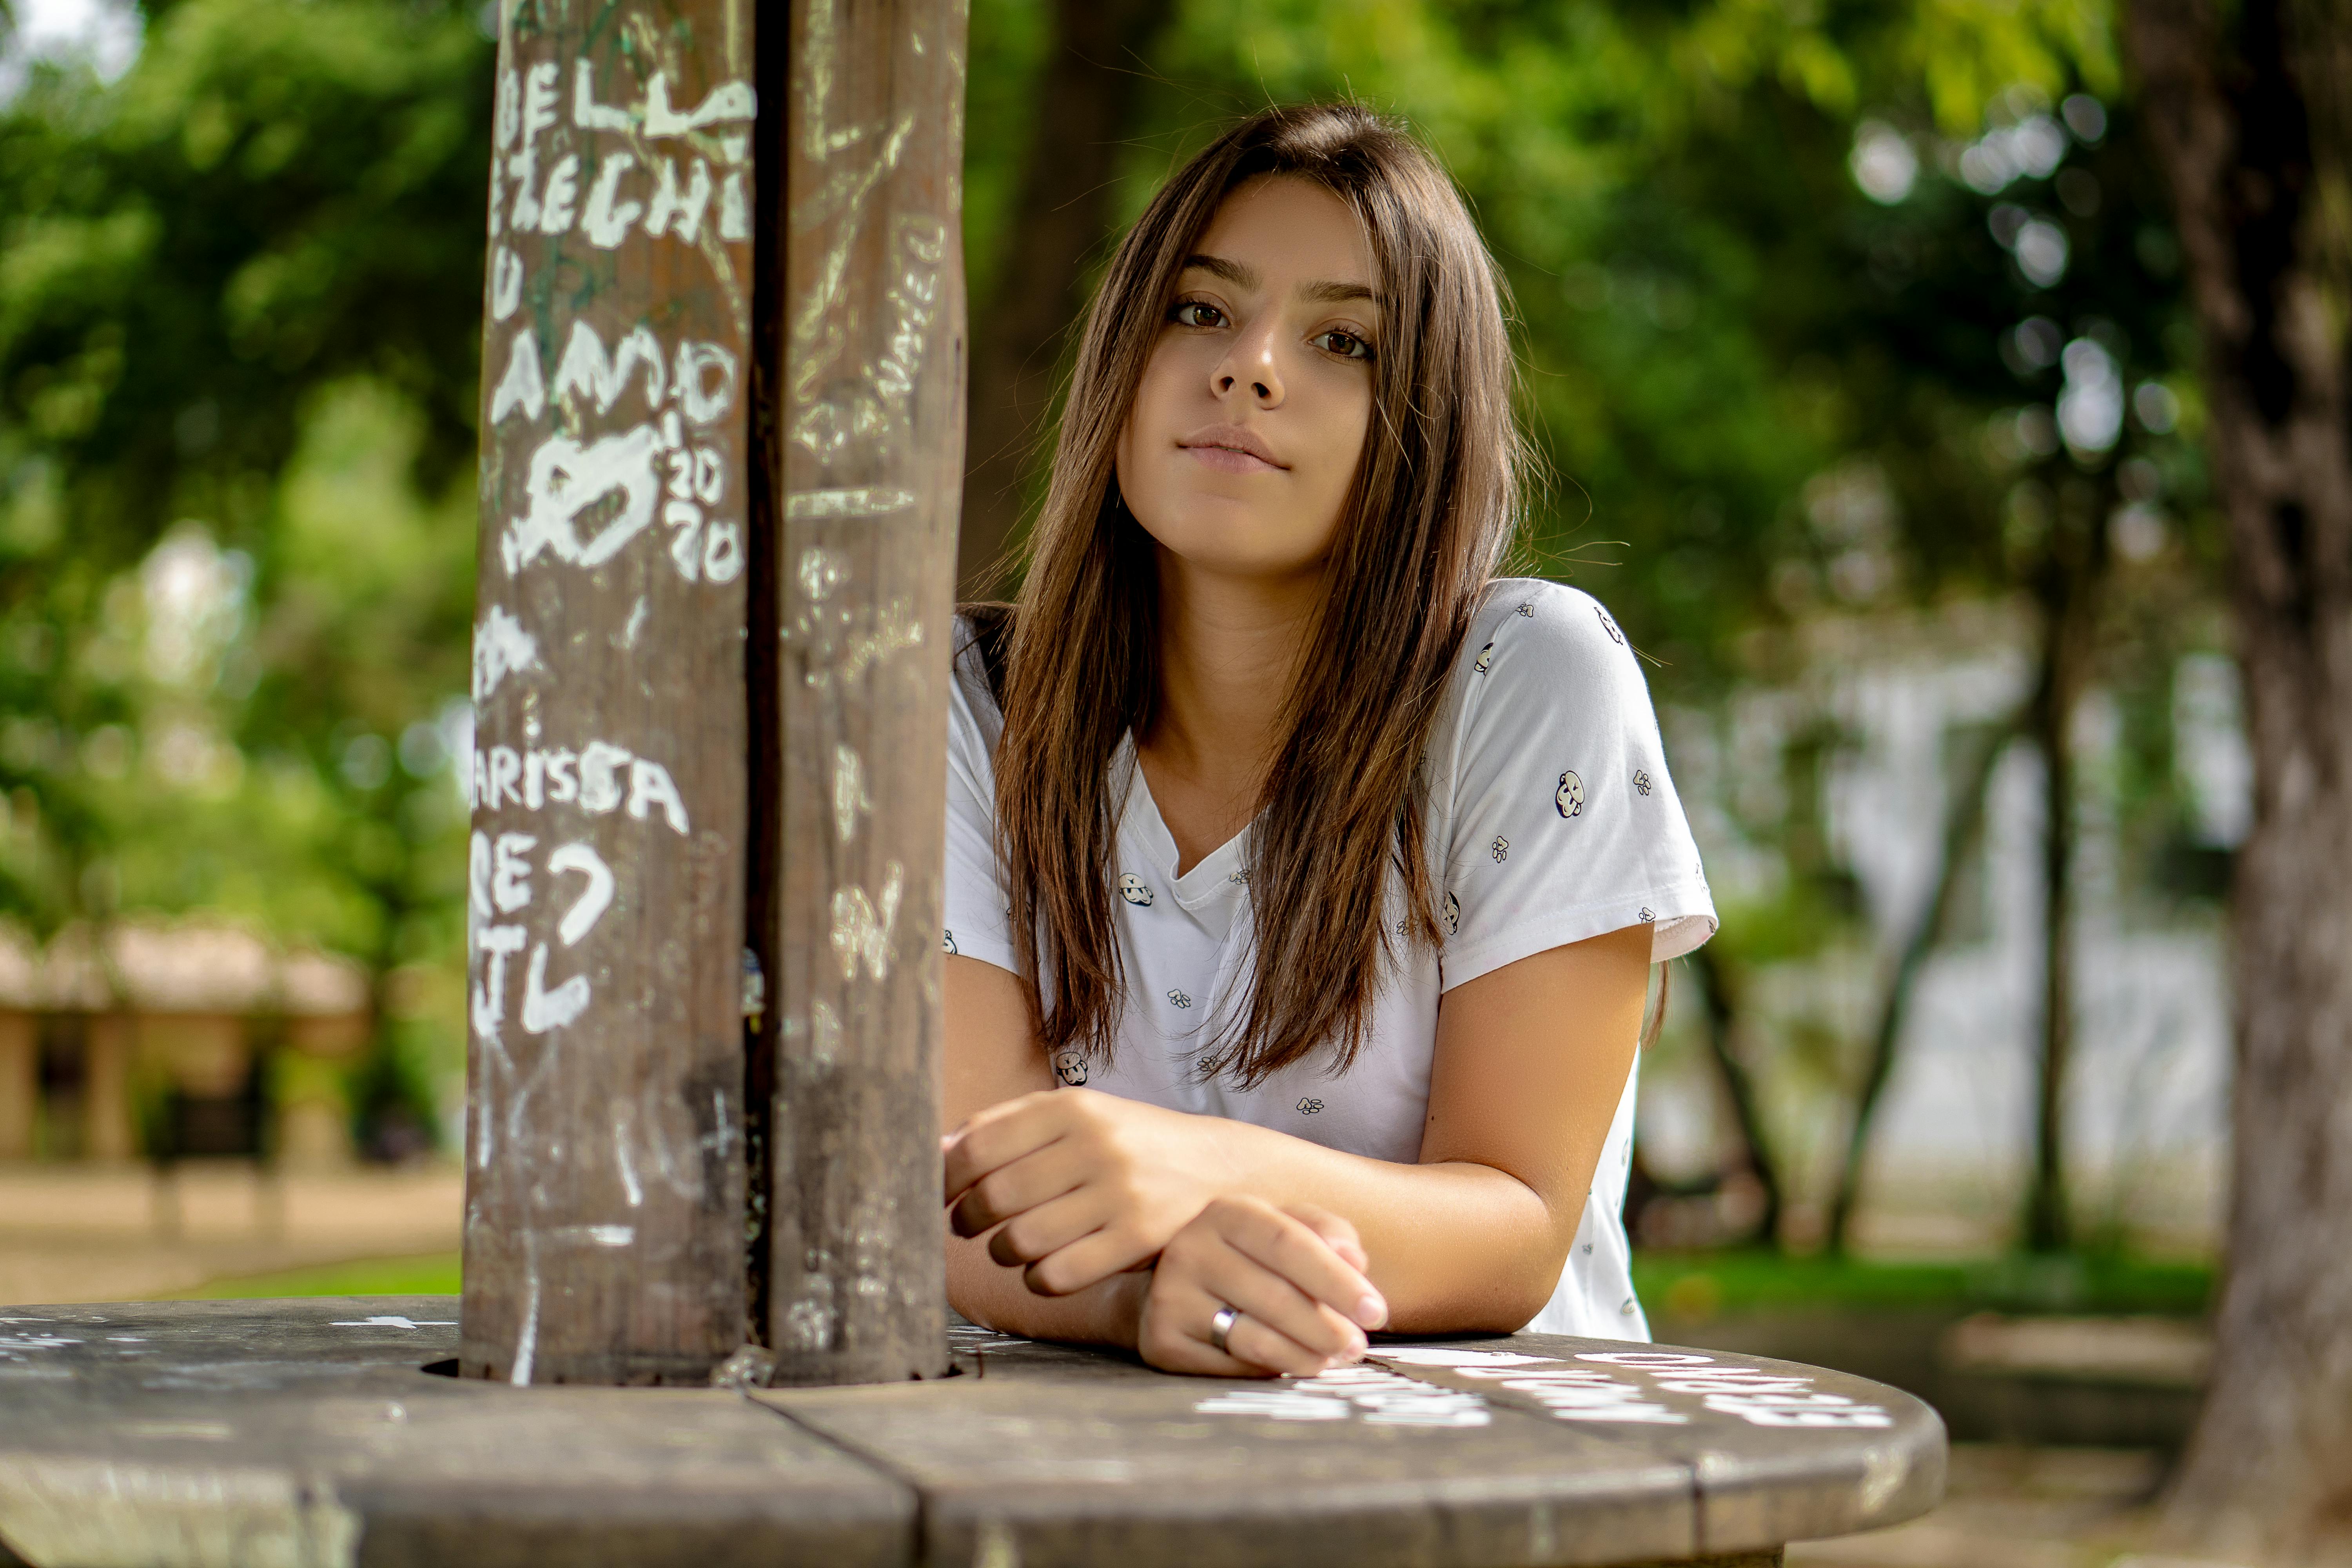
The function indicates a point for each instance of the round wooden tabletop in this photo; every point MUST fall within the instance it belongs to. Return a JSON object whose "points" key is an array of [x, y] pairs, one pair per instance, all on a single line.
{"points": [[327, 1431]]}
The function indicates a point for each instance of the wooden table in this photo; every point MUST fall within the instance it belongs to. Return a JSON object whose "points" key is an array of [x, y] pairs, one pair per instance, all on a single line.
{"points": [[296, 1433]]}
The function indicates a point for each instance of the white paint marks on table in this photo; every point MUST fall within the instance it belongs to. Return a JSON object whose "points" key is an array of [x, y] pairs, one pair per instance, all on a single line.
{"points": [[1759, 1397], [1376, 1397], [392, 1321], [1588, 1394]]}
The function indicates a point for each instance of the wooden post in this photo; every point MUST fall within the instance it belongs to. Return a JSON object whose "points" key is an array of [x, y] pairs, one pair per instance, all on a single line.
{"points": [[721, 437], [866, 378], [606, 1188]]}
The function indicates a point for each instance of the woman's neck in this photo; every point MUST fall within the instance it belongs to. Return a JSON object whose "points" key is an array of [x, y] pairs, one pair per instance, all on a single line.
{"points": [[1229, 651]]}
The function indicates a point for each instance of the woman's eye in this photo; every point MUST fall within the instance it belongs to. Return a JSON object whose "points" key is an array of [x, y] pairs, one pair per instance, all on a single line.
{"points": [[1347, 345], [1196, 313]]}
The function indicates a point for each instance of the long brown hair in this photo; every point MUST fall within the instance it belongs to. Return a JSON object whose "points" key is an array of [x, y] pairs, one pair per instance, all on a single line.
{"points": [[1436, 497]]}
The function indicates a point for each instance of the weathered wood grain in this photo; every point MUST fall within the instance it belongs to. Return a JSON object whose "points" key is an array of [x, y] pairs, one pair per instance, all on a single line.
{"points": [[605, 1233], [302, 1434], [308, 1426], [868, 376]]}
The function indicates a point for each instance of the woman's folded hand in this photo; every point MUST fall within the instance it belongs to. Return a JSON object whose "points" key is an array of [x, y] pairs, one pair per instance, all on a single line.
{"points": [[1292, 1279], [1080, 1185]]}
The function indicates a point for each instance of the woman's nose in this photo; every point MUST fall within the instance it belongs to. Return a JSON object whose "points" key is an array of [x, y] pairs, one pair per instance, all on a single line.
{"points": [[1250, 371]]}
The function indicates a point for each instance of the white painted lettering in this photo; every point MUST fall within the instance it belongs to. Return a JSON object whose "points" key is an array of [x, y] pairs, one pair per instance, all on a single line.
{"points": [[501, 647], [491, 999], [567, 479], [506, 767], [561, 788], [722, 551], [650, 786], [600, 791], [672, 212], [849, 796], [686, 549], [508, 113], [860, 932], [510, 872], [586, 369], [593, 900], [734, 207], [478, 876], [523, 170], [543, 1009], [695, 363], [560, 204], [534, 779], [586, 112], [522, 387], [606, 219], [729, 101], [506, 281], [538, 100]]}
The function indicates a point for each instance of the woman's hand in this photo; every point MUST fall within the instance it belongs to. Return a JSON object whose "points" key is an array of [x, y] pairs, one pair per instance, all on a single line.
{"points": [[1081, 1185], [1295, 1276]]}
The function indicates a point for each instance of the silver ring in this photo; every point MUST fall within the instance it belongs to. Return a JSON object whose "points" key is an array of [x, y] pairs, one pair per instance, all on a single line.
{"points": [[1220, 1326]]}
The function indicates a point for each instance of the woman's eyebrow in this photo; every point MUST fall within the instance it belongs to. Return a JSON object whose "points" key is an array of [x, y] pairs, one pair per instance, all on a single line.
{"points": [[1335, 293], [1233, 273]]}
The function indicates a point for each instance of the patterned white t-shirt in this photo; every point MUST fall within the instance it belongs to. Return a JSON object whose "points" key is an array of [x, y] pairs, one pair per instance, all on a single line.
{"points": [[1552, 819]]}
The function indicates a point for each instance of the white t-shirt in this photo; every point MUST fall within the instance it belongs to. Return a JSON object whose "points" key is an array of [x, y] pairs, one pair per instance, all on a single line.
{"points": [[1552, 818]]}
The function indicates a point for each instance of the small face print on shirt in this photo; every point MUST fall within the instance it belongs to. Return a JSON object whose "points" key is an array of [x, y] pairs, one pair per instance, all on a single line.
{"points": [[1132, 888], [1485, 660], [1453, 914], [1500, 849], [947, 940], [1641, 782], [1309, 1106], [1569, 797], [1070, 1067], [1178, 998], [1610, 627], [1527, 608]]}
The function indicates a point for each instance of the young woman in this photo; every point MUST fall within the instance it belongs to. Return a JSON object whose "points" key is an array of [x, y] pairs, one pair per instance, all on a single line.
{"points": [[1303, 878]]}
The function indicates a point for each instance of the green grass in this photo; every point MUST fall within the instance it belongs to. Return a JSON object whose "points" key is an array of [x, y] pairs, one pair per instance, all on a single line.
{"points": [[1702, 1284], [1672, 1284], [433, 1274]]}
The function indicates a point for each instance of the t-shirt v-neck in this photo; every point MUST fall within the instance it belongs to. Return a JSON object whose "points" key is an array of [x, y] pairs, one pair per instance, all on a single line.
{"points": [[1213, 890]]}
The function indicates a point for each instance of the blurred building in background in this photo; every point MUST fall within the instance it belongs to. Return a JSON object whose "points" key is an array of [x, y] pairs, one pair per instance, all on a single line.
{"points": [[177, 1040]]}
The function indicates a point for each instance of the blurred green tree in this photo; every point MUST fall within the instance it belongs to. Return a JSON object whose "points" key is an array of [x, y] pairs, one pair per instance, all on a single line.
{"points": [[250, 265]]}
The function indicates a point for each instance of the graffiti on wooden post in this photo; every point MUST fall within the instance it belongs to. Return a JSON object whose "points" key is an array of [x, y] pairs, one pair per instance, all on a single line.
{"points": [[606, 1185]]}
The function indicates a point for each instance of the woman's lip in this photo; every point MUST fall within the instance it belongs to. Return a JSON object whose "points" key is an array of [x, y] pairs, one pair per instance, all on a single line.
{"points": [[1227, 460]]}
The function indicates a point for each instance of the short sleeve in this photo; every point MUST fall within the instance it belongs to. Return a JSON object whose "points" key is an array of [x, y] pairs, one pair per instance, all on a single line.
{"points": [[974, 901], [1564, 821]]}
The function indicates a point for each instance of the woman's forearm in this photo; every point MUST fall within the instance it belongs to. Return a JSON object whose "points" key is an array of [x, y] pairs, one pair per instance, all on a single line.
{"points": [[996, 1296], [1454, 1247]]}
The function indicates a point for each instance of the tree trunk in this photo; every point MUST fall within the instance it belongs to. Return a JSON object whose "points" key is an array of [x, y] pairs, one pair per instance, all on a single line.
{"points": [[1068, 203], [2069, 593], [2249, 124], [1722, 1013], [1963, 831]]}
